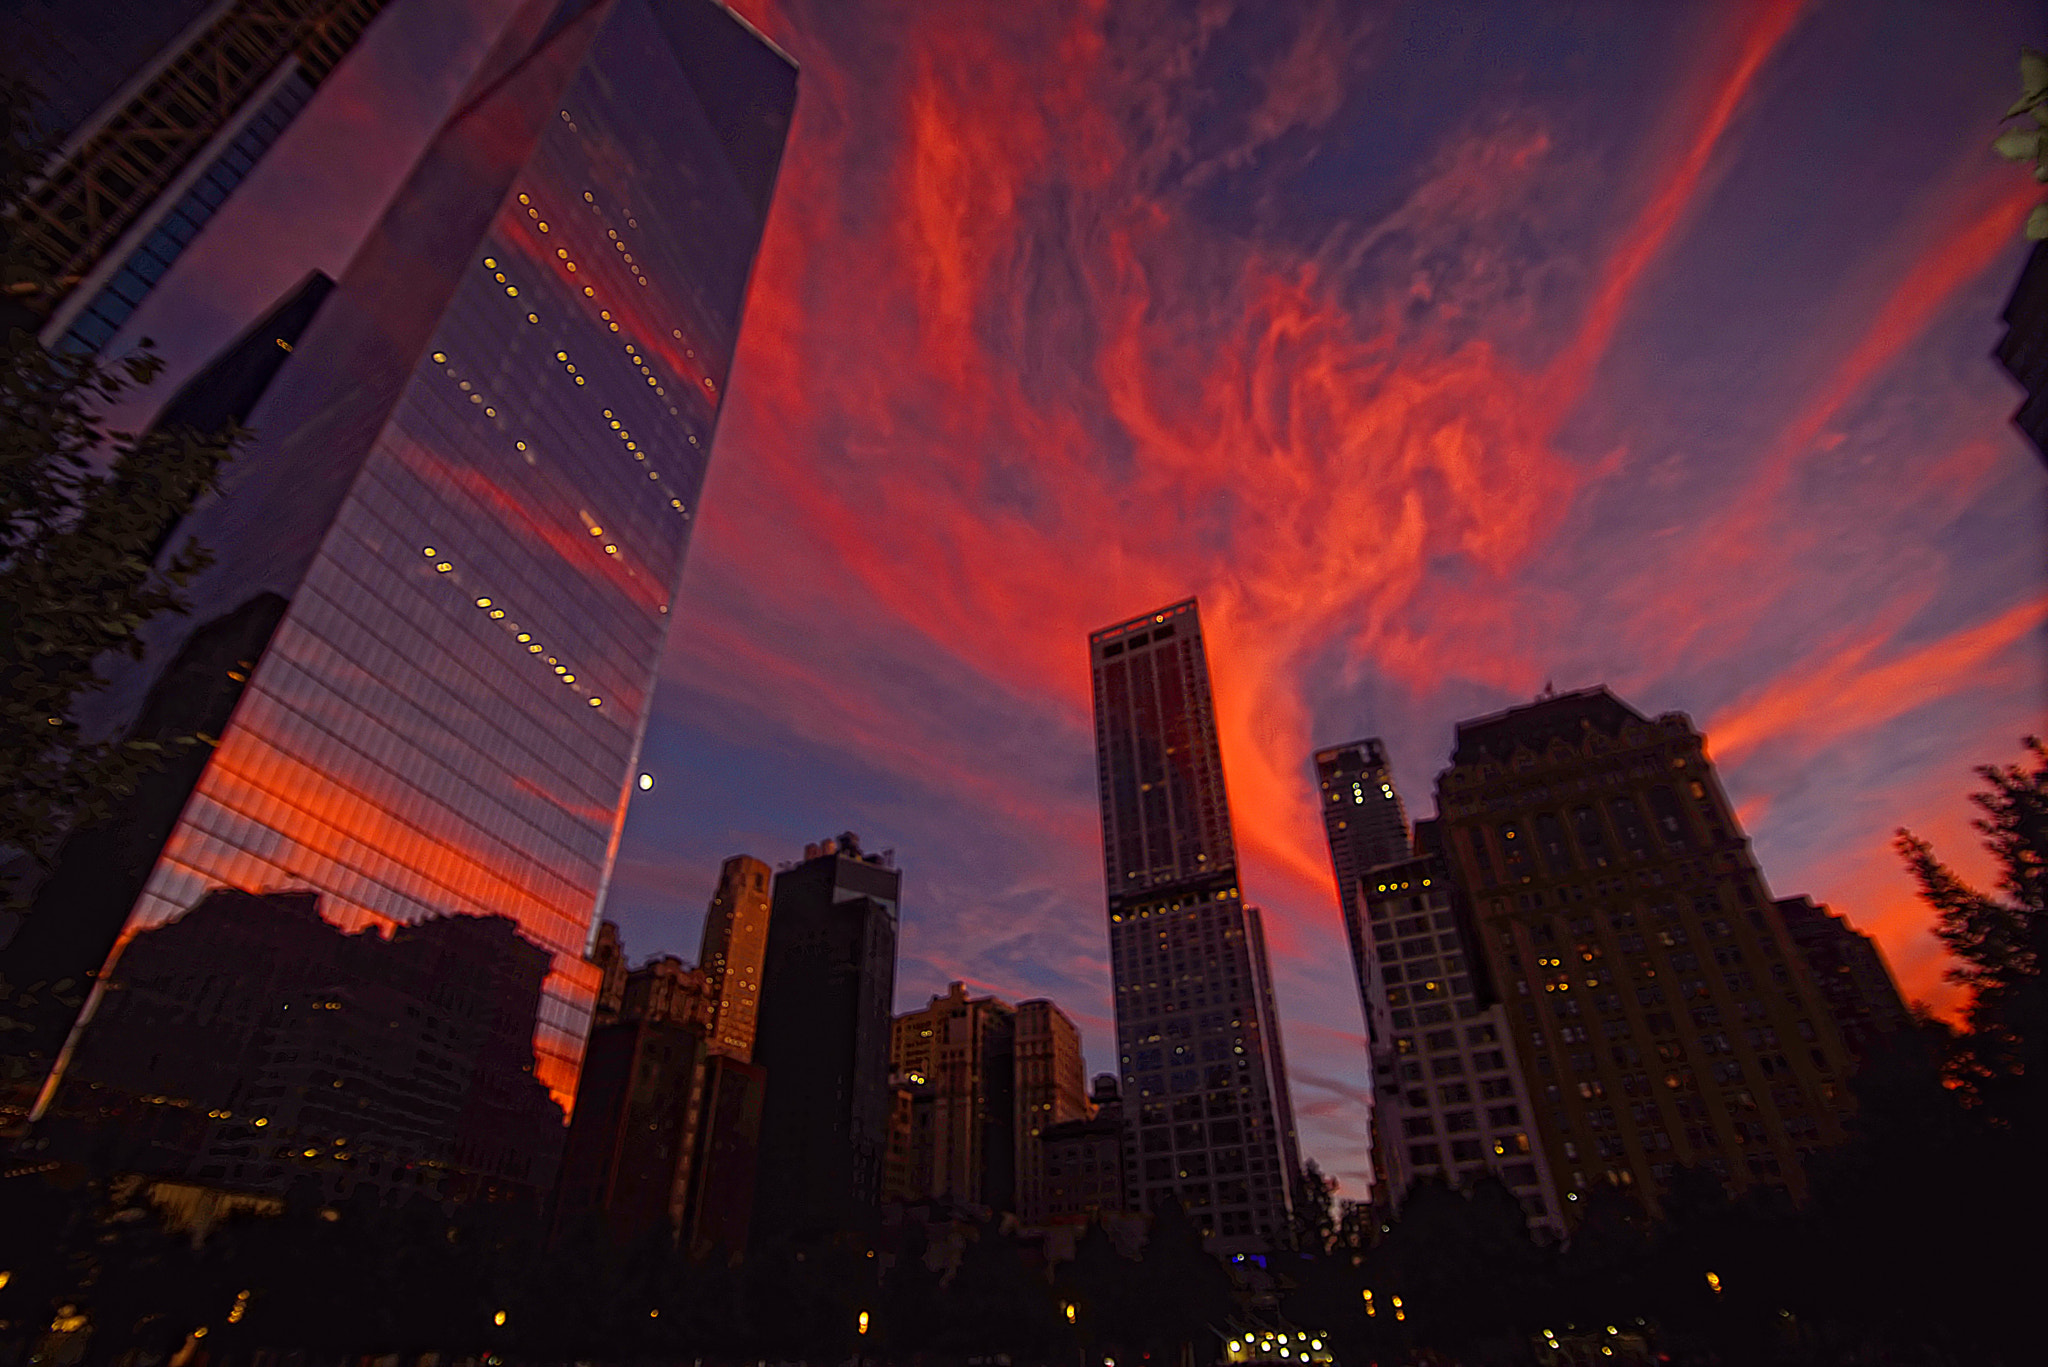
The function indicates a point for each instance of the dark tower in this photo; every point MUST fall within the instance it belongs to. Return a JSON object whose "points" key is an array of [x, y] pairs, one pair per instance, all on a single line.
{"points": [[1206, 1109], [823, 1037]]}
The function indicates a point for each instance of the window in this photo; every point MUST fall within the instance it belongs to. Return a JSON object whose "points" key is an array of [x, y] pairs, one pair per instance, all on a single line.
{"points": [[1425, 1156]]}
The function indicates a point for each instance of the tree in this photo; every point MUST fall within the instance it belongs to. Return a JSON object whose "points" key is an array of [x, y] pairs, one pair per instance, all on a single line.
{"points": [[2000, 942], [1314, 1222], [85, 516], [2030, 144]]}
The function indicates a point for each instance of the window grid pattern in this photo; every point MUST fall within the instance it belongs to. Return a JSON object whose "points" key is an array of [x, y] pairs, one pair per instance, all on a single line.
{"points": [[447, 717]]}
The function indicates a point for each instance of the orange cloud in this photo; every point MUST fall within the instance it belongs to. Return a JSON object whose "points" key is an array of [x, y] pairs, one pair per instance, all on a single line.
{"points": [[1846, 692]]}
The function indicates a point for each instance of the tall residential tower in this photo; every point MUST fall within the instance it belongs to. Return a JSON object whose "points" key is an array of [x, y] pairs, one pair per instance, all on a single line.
{"points": [[1206, 1112]]}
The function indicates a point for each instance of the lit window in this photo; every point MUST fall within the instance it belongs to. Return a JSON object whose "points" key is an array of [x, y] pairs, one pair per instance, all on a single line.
{"points": [[440, 357], [427, 551], [533, 317], [491, 263], [596, 702], [483, 602], [524, 200], [443, 567], [512, 290], [524, 637]]}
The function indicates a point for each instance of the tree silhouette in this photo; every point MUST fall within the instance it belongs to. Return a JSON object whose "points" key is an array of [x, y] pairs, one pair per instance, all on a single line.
{"points": [[2000, 943]]}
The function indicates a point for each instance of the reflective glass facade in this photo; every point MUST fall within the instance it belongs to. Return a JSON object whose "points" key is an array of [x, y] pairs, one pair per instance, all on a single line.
{"points": [[475, 485], [1206, 1110]]}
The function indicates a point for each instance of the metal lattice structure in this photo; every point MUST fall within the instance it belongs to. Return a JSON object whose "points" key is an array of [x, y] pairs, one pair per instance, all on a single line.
{"points": [[93, 194]]}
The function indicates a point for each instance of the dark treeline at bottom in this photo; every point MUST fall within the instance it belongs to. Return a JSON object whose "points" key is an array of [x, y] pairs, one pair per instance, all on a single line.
{"points": [[1907, 1253]]}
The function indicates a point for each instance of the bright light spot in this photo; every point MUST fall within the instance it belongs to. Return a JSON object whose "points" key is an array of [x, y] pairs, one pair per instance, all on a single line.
{"points": [[499, 1318], [646, 782]]}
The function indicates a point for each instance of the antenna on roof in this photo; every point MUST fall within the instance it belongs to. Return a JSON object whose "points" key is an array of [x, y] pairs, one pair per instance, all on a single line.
{"points": [[1549, 692]]}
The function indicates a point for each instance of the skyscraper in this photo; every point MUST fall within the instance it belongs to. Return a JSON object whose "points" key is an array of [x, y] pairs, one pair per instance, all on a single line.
{"points": [[1662, 1012], [823, 1037], [735, 939], [164, 108], [1449, 1098], [1365, 826], [473, 491], [1206, 1108]]}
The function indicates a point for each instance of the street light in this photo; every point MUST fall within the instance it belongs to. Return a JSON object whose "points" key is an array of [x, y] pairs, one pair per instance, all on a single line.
{"points": [[863, 1321], [499, 1319]]}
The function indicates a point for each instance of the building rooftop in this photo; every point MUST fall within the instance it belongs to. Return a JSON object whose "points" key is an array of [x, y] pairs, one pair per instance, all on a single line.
{"points": [[1566, 716]]}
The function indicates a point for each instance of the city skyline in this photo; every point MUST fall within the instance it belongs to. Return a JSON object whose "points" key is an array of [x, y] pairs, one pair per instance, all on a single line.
{"points": [[1671, 370]]}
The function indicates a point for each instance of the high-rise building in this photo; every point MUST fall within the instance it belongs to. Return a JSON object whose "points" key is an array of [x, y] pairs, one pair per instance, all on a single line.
{"points": [[1050, 1090], [1661, 1009], [666, 1124], [249, 1046], [1365, 825], [1449, 1099], [163, 109], [1850, 971], [469, 502], [1204, 1080], [1083, 1164], [735, 939], [626, 1164], [823, 1036], [964, 1050], [1364, 820]]}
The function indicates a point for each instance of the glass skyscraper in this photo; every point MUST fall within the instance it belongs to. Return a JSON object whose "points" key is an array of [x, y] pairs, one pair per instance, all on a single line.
{"points": [[1206, 1109], [474, 487]]}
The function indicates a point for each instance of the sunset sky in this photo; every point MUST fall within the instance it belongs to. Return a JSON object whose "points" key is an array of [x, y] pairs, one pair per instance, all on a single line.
{"points": [[1441, 350]]}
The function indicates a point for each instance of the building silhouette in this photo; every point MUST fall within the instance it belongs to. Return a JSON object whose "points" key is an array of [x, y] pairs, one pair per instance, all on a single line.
{"points": [[163, 109], [823, 1037], [468, 506], [1449, 1099], [1051, 1082], [1205, 1102], [1850, 971], [1661, 1009], [959, 1054], [735, 942], [666, 1122], [252, 1046], [1082, 1164]]}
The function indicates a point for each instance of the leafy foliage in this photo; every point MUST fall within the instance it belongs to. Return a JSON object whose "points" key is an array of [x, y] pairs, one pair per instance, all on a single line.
{"points": [[2030, 144], [2000, 943], [85, 513]]}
